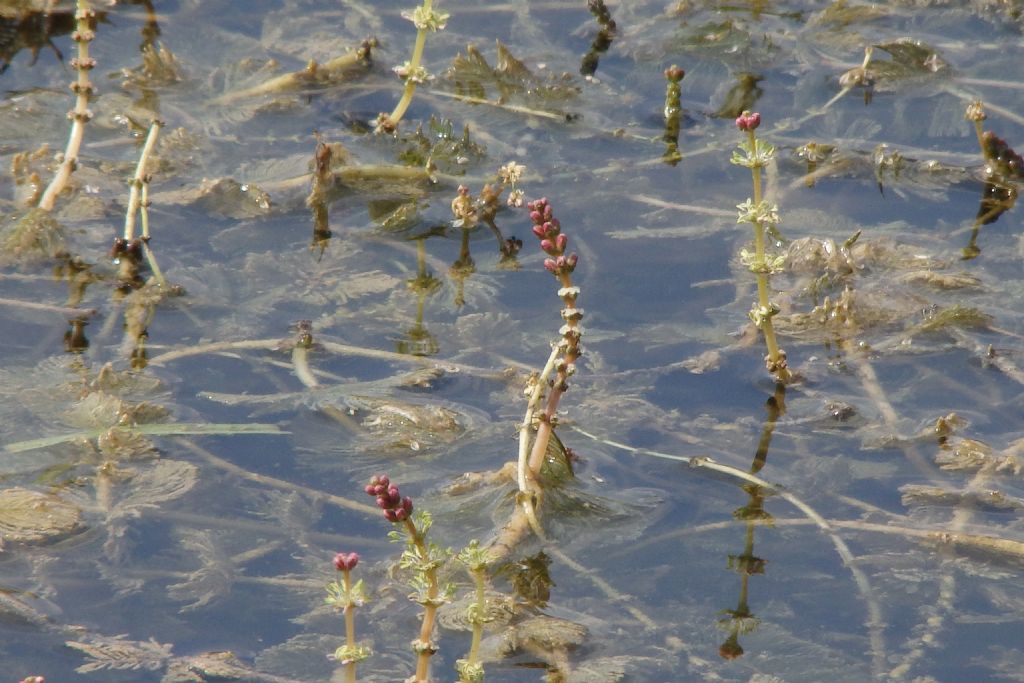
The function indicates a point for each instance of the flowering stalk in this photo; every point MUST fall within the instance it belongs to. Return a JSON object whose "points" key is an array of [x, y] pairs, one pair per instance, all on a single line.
{"points": [[764, 217], [347, 596], [423, 558], [80, 115], [553, 242], [475, 559], [412, 72]]}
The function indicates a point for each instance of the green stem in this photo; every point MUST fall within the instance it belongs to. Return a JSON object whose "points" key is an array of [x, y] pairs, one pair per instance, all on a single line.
{"points": [[350, 628], [763, 292], [414, 63], [478, 623], [425, 650]]}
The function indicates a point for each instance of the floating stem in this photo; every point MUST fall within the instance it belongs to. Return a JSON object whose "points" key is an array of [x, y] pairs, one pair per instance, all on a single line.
{"points": [[80, 115]]}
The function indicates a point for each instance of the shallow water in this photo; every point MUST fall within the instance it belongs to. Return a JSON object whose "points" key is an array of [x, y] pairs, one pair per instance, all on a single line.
{"points": [[189, 543]]}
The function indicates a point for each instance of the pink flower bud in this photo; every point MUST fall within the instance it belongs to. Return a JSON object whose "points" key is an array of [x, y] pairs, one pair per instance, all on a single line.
{"points": [[391, 516], [344, 562], [407, 505], [561, 241], [550, 265], [748, 121], [547, 245], [539, 231], [536, 216], [570, 262]]}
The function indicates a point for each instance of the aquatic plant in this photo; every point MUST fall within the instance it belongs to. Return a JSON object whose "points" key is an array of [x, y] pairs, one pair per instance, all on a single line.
{"points": [[422, 558], [602, 41], [763, 216], [553, 242], [346, 596], [673, 110], [1003, 169], [127, 249], [426, 19]]}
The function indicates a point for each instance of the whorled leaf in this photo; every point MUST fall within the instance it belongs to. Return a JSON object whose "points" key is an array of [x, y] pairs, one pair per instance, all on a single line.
{"points": [[470, 74], [28, 516], [212, 580], [33, 237], [119, 653]]}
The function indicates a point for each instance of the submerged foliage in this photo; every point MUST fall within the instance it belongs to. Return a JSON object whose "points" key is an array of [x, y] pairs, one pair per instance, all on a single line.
{"points": [[180, 454]]}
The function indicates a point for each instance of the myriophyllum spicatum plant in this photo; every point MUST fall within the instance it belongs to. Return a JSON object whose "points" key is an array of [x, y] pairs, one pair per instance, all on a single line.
{"points": [[346, 596], [422, 558], [554, 242], [763, 216], [426, 19]]}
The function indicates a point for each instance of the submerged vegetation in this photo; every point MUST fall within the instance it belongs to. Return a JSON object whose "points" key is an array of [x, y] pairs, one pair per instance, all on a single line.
{"points": [[191, 413]]}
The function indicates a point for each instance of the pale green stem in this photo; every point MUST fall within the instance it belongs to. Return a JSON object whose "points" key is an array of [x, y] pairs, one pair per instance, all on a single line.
{"points": [[138, 182], [978, 130], [763, 295], [478, 623], [350, 628], [429, 609], [81, 114], [414, 63]]}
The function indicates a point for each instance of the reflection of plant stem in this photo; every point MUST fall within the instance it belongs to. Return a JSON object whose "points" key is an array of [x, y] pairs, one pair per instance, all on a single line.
{"points": [[776, 406], [875, 623], [317, 199], [419, 341], [80, 115]]}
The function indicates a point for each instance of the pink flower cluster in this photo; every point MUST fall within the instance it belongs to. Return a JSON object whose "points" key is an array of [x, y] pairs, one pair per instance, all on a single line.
{"points": [[552, 240], [346, 562], [748, 121], [389, 499]]}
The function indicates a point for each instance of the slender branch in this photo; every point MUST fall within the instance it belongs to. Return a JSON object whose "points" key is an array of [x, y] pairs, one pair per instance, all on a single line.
{"points": [[138, 183]]}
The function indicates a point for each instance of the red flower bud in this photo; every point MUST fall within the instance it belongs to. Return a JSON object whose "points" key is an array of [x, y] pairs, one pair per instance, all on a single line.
{"points": [[748, 121], [344, 562]]}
